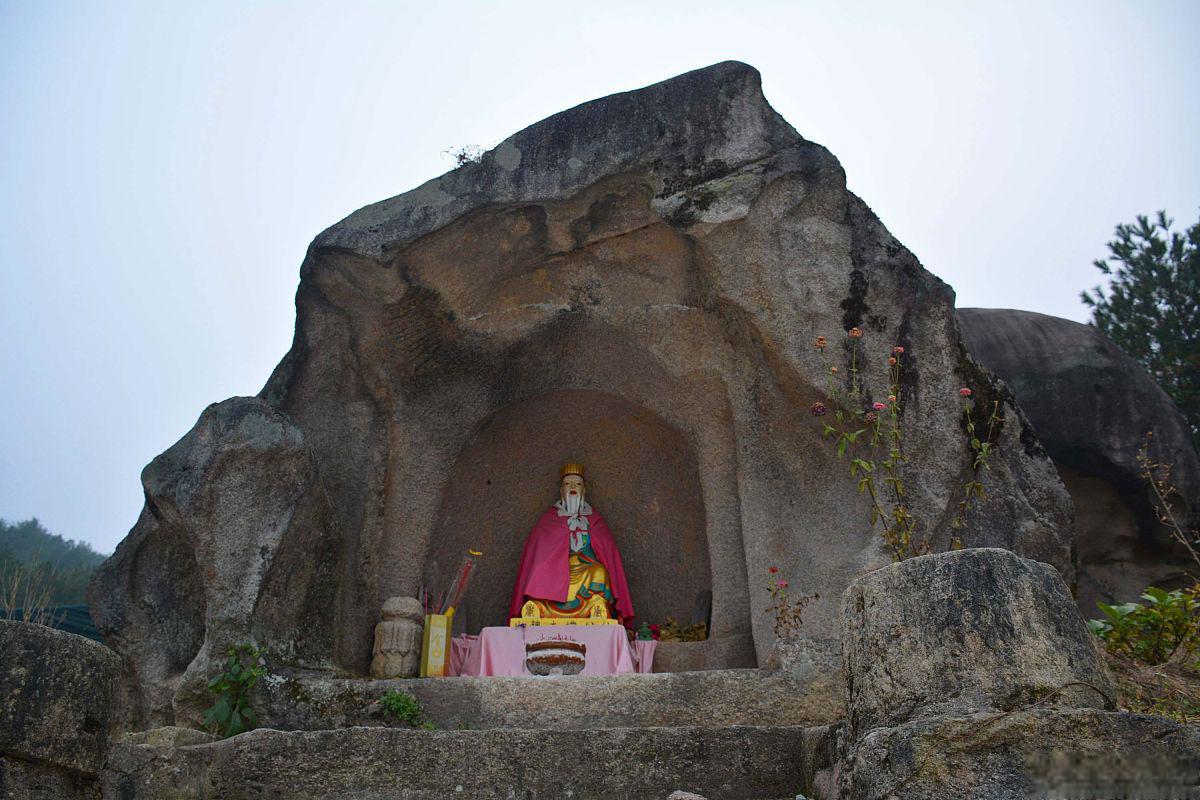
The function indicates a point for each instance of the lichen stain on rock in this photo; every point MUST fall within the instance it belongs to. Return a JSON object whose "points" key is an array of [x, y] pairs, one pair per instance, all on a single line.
{"points": [[507, 156], [855, 305]]}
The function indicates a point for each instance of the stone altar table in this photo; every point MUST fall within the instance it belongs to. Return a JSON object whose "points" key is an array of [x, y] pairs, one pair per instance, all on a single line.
{"points": [[501, 650]]}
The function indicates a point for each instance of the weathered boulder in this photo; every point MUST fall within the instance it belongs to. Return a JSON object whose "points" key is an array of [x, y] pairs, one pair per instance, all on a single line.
{"points": [[59, 704], [1091, 406], [634, 283], [234, 545], [1026, 753], [965, 631], [972, 674]]}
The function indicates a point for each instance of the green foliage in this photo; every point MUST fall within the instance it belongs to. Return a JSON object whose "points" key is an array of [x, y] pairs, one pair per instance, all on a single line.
{"points": [[973, 488], [231, 714], [1179, 709], [1167, 624], [1151, 309], [403, 707], [30, 553]]}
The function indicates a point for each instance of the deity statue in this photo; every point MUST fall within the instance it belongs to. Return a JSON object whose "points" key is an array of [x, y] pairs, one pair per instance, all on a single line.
{"points": [[397, 651], [571, 568]]}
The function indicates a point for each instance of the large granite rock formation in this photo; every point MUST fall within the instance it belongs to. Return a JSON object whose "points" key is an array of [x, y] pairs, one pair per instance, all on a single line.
{"points": [[634, 283], [1091, 406]]}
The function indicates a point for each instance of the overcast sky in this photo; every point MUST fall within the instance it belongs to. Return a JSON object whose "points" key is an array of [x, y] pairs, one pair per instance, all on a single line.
{"points": [[163, 166]]}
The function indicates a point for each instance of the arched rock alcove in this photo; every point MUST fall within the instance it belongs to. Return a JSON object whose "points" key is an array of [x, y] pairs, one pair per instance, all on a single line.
{"points": [[642, 476]]}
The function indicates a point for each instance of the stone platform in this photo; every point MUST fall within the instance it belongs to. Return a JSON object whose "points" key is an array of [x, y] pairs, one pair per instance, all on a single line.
{"points": [[749, 763], [740, 733], [716, 698]]}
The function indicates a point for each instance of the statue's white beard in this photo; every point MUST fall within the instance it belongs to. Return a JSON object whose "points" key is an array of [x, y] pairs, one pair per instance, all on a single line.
{"points": [[571, 503]]}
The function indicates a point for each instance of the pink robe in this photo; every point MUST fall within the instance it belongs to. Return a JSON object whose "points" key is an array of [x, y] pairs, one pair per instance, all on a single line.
{"points": [[545, 574]]}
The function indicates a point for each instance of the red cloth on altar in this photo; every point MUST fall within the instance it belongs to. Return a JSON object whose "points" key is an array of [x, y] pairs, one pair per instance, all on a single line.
{"points": [[545, 573]]}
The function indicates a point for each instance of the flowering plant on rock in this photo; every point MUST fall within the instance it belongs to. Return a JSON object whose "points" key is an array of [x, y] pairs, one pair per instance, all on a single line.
{"points": [[787, 610], [973, 487], [869, 434]]}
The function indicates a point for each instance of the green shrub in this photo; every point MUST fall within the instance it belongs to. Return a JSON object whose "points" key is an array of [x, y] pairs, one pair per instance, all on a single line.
{"points": [[405, 708], [231, 714], [1169, 622]]}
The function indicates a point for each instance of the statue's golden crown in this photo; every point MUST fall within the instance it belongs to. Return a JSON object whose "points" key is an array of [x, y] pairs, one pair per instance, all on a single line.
{"points": [[571, 469]]}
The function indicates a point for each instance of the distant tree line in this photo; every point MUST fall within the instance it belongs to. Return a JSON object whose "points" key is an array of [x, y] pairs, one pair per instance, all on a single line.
{"points": [[61, 567]]}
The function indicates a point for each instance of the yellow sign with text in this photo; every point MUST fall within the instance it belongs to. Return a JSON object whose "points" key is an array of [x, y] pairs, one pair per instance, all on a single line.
{"points": [[435, 645]]}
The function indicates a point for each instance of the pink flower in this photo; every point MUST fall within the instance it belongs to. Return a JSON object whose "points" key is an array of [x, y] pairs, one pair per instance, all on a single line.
{"points": [[878, 406], [772, 570], [898, 350], [892, 361], [833, 370], [891, 398], [781, 584], [818, 409], [964, 392]]}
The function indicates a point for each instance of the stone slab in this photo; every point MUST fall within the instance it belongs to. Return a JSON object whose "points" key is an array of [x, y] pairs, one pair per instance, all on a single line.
{"points": [[745, 763], [710, 698]]}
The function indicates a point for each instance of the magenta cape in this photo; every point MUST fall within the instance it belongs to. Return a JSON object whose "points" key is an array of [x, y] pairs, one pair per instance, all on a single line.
{"points": [[544, 573]]}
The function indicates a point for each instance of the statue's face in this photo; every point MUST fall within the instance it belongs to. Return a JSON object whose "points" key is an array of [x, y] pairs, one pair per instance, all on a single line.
{"points": [[571, 485]]}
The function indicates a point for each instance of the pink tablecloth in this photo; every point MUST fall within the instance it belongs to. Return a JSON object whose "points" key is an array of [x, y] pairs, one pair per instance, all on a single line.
{"points": [[501, 651]]}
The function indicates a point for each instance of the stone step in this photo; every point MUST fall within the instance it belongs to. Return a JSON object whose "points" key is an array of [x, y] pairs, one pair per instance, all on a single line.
{"points": [[716, 698], [728, 763]]}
